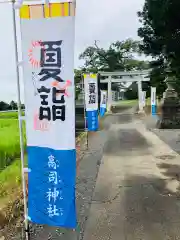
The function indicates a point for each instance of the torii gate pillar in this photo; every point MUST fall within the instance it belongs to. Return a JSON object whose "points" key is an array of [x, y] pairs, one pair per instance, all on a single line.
{"points": [[140, 95], [109, 102], [130, 76]]}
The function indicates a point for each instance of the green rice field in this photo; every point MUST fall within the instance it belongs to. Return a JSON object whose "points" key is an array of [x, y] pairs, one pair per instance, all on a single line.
{"points": [[9, 115], [9, 138], [10, 164]]}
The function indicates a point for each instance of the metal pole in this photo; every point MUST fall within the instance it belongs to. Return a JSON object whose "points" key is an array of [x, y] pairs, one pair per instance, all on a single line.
{"points": [[74, 2], [85, 118], [20, 123]]}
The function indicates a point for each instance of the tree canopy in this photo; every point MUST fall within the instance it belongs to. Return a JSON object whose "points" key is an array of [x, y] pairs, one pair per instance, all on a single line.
{"points": [[4, 106], [160, 33], [120, 55], [160, 29]]}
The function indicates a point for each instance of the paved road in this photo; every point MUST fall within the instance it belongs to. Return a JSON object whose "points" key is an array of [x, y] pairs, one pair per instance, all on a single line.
{"points": [[137, 189]]}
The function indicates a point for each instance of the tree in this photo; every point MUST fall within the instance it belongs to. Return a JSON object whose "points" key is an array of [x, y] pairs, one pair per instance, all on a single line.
{"points": [[158, 76], [78, 78], [78, 81], [160, 33], [119, 56], [4, 106], [22, 106], [13, 105]]}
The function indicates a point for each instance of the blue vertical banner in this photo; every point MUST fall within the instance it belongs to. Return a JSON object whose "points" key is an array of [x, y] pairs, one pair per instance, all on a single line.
{"points": [[103, 103], [48, 53], [91, 101], [92, 120], [153, 101]]}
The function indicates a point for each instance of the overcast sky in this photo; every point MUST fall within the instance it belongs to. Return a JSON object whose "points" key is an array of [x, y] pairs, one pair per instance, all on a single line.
{"points": [[102, 20]]}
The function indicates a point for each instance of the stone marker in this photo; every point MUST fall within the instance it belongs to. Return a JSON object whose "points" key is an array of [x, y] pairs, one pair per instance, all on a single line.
{"points": [[170, 107]]}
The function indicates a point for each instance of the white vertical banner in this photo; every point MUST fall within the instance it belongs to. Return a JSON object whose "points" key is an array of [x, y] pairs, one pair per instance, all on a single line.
{"points": [[91, 100], [103, 103], [48, 69], [91, 91], [153, 100], [143, 98], [153, 96]]}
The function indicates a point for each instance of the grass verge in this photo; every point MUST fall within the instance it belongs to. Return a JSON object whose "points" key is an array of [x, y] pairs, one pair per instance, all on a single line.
{"points": [[127, 102], [10, 192]]}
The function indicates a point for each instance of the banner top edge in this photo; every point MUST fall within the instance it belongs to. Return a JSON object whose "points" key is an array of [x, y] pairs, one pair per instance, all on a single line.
{"points": [[91, 75], [36, 2]]}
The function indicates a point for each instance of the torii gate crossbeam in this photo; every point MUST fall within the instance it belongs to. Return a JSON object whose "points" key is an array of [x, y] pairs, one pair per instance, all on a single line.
{"points": [[131, 76]]}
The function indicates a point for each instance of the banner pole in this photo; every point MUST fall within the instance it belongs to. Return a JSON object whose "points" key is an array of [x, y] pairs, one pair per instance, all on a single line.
{"points": [[74, 2], [20, 124]]}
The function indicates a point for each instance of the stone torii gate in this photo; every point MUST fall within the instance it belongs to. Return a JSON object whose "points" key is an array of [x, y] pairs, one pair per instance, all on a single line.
{"points": [[120, 77]]}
